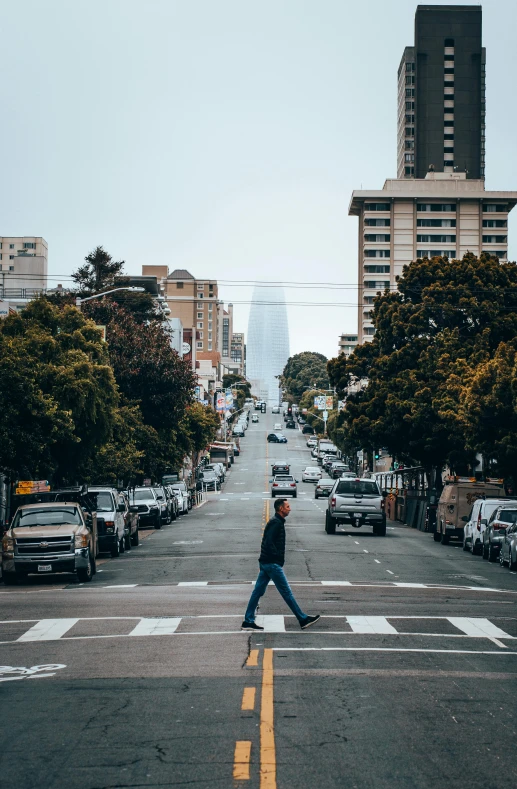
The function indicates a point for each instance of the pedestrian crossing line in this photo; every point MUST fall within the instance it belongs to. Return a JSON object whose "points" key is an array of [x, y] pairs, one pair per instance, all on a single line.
{"points": [[62, 629]]}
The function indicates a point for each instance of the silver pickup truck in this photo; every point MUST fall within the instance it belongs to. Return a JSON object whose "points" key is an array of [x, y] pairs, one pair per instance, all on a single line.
{"points": [[51, 537], [358, 502]]}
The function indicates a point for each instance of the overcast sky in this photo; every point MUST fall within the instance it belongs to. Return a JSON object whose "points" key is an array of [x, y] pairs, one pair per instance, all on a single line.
{"points": [[221, 136]]}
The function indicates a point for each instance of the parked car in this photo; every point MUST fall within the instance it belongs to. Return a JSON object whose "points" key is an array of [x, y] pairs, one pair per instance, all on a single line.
{"points": [[456, 502], [218, 468], [284, 485], [301, 420], [323, 488], [110, 520], [210, 480], [50, 537], [476, 521], [255, 418], [280, 467], [131, 520], [149, 509], [238, 431], [307, 430], [184, 497], [290, 424], [311, 442], [311, 474], [358, 502], [165, 504], [277, 438], [508, 552], [502, 517], [236, 449]]}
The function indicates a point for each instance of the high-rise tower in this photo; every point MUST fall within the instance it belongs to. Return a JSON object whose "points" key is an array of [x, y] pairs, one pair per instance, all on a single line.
{"points": [[441, 94], [268, 342]]}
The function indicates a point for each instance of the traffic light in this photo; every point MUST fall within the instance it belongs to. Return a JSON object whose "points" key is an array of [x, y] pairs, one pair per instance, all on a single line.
{"points": [[377, 454]]}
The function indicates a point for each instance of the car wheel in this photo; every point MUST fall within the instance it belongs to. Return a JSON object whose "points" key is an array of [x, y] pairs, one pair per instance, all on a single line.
{"points": [[115, 549], [10, 579], [492, 553], [484, 551], [85, 574], [465, 546], [316, 496], [273, 495], [436, 536], [444, 538], [127, 542], [379, 530], [158, 523], [501, 558], [295, 495], [122, 545], [330, 526], [174, 515], [135, 539], [512, 563]]}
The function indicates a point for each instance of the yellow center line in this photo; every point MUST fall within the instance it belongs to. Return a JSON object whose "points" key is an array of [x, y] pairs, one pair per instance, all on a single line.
{"points": [[253, 658], [267, 731], [248, 699], [241, 760]]}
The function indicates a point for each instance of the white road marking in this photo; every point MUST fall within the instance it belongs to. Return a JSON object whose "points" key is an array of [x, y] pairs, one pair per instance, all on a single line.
{"points": [[477, 627], [156, 627], [193, 583], [120, 586], [48, 630], [390, 572], [336, 583], [356, 542], [389, 649], [187, 542], [364, 550], [245, 499], [377, 561], [370, 624], [409, 586], [271, 623], [246, 492]]}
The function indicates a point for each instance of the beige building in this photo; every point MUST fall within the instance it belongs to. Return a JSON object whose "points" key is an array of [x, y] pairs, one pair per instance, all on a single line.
{"points": [[442, 214], [347, 344], [196, 304], [23, 266]]}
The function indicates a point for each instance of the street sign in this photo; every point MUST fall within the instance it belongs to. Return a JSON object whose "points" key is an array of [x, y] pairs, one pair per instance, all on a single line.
{"points": [[324, 402], [325, 416], [4, 309], [220, 401], [32, 486]]}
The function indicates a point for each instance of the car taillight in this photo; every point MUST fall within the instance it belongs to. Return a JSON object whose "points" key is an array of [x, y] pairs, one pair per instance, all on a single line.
{"points": [[333, 501], [275, 484], [478, 526], [293, 485], [382, 504]]}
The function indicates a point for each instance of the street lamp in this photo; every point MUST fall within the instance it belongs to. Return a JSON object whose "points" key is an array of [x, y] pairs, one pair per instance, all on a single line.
{"points": [[79, 301]]}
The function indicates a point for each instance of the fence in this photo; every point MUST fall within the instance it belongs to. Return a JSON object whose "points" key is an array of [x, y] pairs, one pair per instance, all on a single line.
{"points": [[407, 501]]}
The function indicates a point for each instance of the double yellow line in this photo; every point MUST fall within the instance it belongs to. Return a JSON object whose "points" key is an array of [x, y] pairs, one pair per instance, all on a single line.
{"points": [[242, 755]]}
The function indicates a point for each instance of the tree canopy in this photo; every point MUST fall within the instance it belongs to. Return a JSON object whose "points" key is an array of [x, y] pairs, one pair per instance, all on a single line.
{"points": [[303, 370], [98, 272], [433, 338]]}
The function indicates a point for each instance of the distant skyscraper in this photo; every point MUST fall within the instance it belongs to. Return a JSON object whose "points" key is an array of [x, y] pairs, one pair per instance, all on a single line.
{"points": [[268, 342], [441, 94]]}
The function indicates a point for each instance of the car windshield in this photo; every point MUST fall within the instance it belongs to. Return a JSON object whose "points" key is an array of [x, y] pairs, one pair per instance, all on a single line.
{"points": [[208, 474], [47, 517], [507, 516], [284, 479], [327, 482], [104, 501], [361, 487], [142, 495], [312, 468], [179, 486]]}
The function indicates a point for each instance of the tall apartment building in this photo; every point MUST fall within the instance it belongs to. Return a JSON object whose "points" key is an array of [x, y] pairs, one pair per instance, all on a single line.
{"points": [[195, 302], [441, 94], [441, 214], [225, 333], [238, 354], [23, 266]]}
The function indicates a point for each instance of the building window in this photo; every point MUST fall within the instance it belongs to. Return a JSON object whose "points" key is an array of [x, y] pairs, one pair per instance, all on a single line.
{"points": [[436, 253], [210, 286], [199, 345], [410, 131], [210, 295], [11, 257], [377, 237], [209, 346], [410, 145], [200, 335], [448, 71], [209, 335], [376, 284], [436, 223], [29, 245], [495, 239], [436, 239], [436, 207], [409, 157], [200, 285], [200, 295], [410, 80], [369, 330], [448, 123], [11, 246], [410, 105], [369, 299], [200, 325], [501, 253], [448, 136], [376, 206], [409, 170], [448, 150], [486, 223], [200, 306], [376, 253], [410, 118], [377, 269], [179, 285], [448, 163], [449, 42], [410, 92], [410, 66], [377, 222], [494, 208], [11, 268], [199, 315]]}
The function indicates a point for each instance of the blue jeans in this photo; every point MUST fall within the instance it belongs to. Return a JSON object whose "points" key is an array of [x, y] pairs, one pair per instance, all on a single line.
{"points": [[276, 574]]}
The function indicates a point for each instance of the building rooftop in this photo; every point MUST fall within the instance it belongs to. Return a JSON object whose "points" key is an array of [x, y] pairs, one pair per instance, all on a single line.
{"points": [[180, 273]]}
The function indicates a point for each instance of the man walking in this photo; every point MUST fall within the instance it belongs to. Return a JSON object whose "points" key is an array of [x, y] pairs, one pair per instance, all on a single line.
{"points": [[271, 561]]}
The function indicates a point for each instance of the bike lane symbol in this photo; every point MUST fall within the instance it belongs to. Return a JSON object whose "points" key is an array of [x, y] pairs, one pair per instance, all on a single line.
{"points": [[32, 672]]}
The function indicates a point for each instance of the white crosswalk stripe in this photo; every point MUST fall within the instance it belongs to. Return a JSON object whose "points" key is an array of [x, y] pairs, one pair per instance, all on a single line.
{"points": [[370, 624], [477, 627], [48, 630], [156, 627]]}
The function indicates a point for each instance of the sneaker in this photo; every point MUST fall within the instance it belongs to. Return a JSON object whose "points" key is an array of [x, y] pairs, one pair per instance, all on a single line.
{"points": [[305, 623], [250, 626]]}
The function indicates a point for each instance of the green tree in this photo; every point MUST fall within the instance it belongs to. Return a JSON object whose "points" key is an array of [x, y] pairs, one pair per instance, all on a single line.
{"points": [[447, 317], [57, 392], [303, 370], [98, 272]]}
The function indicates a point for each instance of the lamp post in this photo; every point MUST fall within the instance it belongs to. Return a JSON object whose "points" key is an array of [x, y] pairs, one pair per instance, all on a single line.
{"points": [[79, 301]]}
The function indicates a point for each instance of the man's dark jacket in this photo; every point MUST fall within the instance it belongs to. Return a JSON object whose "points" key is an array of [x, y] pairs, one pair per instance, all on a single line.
{"points": [[272, 550]]}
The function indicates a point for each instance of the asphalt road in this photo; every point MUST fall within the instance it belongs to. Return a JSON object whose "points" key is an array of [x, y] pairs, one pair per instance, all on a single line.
{"points": [[143, 679]]}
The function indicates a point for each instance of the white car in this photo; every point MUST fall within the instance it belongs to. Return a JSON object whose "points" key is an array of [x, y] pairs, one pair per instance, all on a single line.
{"points": [[312, 442], [255, 418], [277, 426], [311, 474], [475, 523]]}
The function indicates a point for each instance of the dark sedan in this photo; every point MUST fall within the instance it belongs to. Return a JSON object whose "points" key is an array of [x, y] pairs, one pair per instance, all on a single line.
{"points": [[277, 438], [508, 552]]}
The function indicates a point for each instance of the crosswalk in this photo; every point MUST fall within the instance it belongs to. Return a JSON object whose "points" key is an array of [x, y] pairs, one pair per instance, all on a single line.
{"points": [[70, 629]]}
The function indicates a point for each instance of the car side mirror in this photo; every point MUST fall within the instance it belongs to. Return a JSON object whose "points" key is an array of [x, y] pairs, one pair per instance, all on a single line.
{"points": [[121, 507], [465, 519], [271, 480], [484, 522], [133, 508], [297, 480]]}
